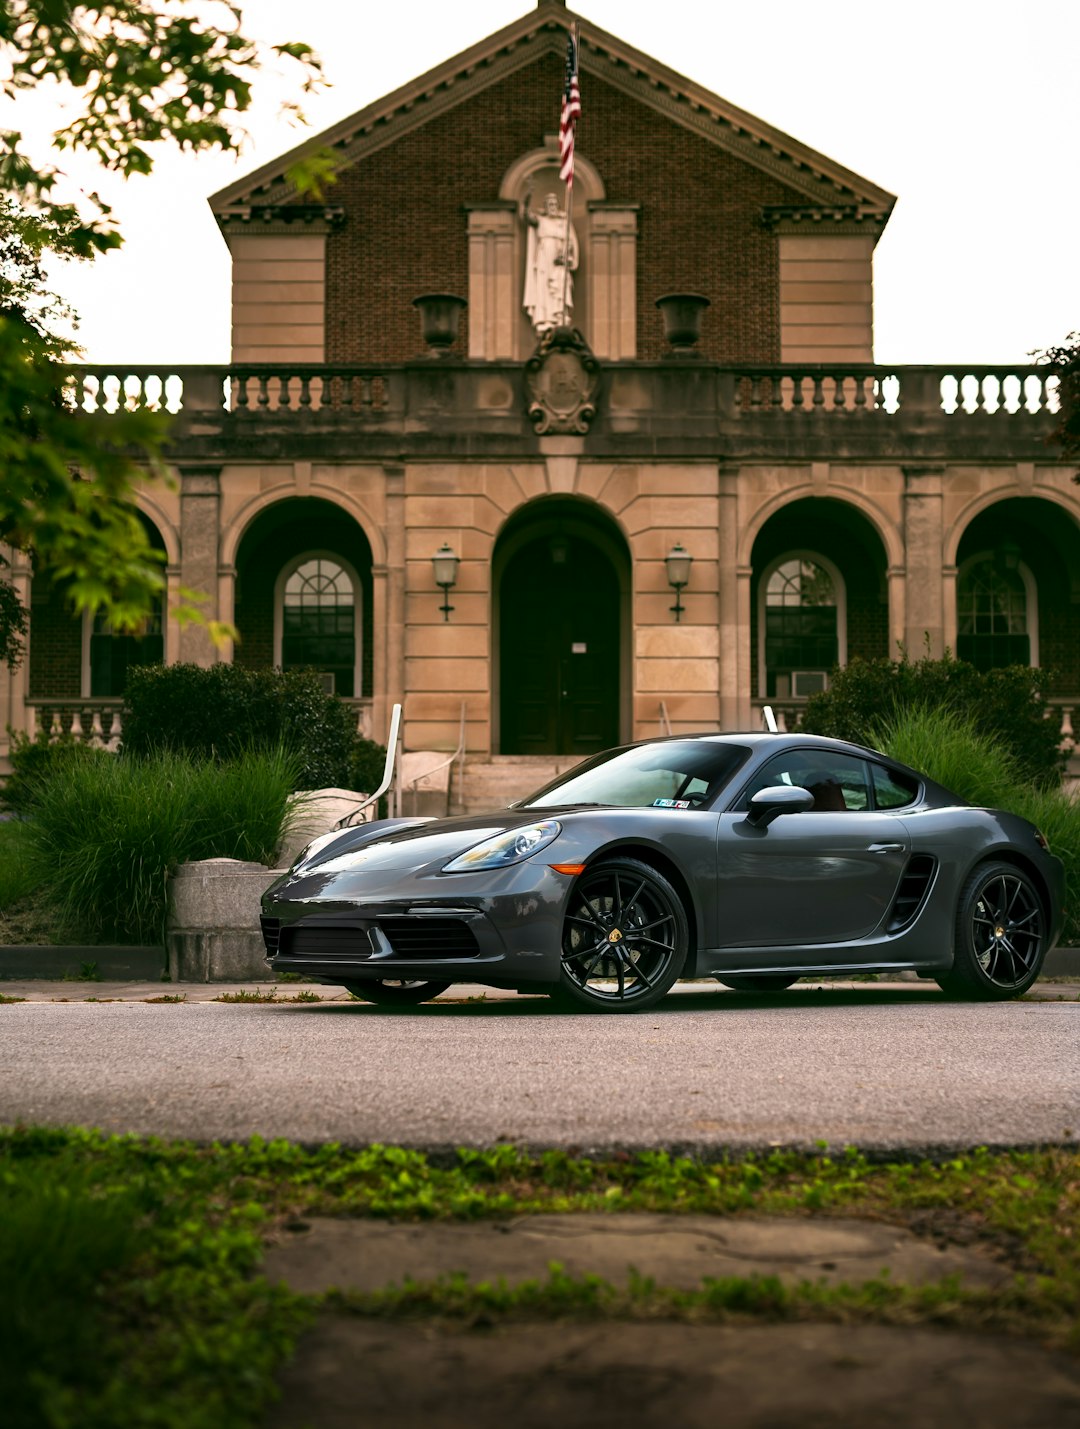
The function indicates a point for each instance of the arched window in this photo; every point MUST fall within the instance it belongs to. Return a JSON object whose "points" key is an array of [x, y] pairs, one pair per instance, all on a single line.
{"points": [[112, 655], [802, 625], [995, 610], [318, 621]]}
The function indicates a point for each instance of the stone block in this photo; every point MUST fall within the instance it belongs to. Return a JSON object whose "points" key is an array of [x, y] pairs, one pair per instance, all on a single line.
{"points": [[213, 930]]}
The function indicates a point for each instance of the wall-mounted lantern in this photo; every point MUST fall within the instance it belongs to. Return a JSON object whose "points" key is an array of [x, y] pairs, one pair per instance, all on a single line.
{"points": [[445, 563], [678, 561]]}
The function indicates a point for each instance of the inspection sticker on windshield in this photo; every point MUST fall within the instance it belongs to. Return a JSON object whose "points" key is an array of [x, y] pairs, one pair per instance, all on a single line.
{"points": [[671, 803]]}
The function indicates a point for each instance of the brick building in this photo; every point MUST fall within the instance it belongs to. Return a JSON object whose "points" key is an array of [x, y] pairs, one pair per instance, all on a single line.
{"points": [[831, 507]]}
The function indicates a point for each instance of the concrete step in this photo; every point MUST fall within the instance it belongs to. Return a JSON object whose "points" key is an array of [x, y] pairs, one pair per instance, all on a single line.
{"points": [[493, 783]]}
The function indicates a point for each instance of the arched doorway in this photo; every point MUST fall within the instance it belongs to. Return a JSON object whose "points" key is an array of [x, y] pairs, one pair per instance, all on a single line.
{"points": [[562, 592]]}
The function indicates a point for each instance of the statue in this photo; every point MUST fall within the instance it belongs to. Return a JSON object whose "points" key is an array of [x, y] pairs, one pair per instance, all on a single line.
{"points": [[549, 288]]}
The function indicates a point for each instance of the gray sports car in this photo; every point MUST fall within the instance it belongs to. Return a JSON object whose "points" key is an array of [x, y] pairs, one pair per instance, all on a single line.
{"points": [[756, 859]]}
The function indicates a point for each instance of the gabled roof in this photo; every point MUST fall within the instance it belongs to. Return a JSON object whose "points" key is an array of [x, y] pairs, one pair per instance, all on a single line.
{"points": [[824, 183]]}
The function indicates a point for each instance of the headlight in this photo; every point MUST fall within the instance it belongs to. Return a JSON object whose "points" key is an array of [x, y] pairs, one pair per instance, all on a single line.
{"points": [[509, 847], [310, 850]]}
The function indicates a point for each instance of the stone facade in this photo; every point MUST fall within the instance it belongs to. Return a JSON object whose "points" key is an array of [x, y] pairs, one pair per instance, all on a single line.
{"points": [[345, 452]]}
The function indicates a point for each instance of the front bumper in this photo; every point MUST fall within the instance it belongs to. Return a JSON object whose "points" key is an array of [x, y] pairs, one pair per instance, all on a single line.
{"points": [[487, 927]]}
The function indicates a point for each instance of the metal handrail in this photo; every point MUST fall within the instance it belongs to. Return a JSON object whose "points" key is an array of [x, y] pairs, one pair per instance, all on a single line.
{"points": [[457, 754], [388, 772]]}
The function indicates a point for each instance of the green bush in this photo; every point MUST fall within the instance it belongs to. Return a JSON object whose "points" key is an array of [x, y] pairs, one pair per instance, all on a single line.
{"points": [[366, 766], [1008, 705], [980, 769], [219, 712], [106, 836], [33, 760]]}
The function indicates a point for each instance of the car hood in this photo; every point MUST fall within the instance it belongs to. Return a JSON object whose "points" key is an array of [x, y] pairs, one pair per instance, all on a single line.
{"points": [[402, 844]]}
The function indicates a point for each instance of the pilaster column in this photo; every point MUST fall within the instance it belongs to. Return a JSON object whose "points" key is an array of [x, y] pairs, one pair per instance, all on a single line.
{"points": [[733, 636], [493, 313], [924, 593], [200, 507], [613, 276], [15, 684], [388, 622]]}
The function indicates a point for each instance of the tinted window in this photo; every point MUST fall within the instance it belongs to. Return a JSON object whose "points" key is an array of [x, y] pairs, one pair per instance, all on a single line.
{"points": [[693, 772], [893, 788], [837, 781]]}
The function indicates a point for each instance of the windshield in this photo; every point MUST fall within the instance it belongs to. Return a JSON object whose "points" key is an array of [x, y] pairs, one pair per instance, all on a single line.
{"points": [[675, 773]]}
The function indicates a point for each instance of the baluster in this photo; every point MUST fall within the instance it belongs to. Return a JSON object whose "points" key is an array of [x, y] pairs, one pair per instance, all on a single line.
{"points": [[1068, 740], [263, 399], [798, 401], [76, 726], [755, 393], [365, 390], [56, 727], [304, 400], [115, 731], [242, 398], [860, 392], [97, 738], [818, 399]]}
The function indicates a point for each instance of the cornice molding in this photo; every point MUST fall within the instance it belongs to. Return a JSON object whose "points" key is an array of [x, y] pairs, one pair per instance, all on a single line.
{"points": [[843, 219], [293, 219]]}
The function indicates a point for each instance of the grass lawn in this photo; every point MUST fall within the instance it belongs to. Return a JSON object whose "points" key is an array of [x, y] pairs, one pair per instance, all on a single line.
{"points": [[129, 1268], [26, 916]]}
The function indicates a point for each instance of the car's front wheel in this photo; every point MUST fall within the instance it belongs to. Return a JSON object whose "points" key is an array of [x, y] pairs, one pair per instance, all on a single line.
{"points": [[388, 993], [625, 938], [758, 982], [1000, 938]]}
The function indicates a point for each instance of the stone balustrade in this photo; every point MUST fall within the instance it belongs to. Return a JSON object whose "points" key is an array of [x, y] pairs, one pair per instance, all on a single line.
{"points": [[809, 388], [99, 722], [96, 722]]}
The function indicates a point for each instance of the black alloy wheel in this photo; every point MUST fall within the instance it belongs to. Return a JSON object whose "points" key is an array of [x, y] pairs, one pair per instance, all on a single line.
{"points": [[758, 982], [1000, 934], [625, 938], [389, 993]]}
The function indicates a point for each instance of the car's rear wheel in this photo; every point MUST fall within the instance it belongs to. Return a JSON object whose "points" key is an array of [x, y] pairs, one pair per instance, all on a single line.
{"points": [[1000, 939], [758, 982], [625, 938], [388, 993]]}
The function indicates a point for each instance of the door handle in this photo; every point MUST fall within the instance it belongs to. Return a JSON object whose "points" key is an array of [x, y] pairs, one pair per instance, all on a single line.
{"points": [[885, 848]]}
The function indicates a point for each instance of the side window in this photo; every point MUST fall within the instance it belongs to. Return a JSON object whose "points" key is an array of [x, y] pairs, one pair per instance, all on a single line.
{"points": [[838, 782], [893, 788]]}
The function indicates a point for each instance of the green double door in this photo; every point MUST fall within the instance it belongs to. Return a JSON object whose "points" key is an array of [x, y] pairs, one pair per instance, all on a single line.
{"points": [[559, 613]]}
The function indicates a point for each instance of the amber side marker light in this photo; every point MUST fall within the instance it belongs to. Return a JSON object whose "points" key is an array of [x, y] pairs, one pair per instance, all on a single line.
{"points": [[1040, 839], [567, 867]]}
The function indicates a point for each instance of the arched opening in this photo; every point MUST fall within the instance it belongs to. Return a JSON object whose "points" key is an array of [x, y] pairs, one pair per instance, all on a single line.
{"points": [[108, 655], [561, 580], [1018, 589], [303, 594], [820, 596]]}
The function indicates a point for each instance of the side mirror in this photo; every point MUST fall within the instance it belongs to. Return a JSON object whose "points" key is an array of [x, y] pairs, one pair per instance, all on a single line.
{"points": [[769, 804]]}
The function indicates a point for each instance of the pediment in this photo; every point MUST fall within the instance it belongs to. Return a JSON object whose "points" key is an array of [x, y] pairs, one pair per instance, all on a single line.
{"points": [[824, 183]]}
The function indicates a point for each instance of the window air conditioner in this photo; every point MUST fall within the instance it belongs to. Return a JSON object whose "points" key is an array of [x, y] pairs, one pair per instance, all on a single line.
{"points": [[808, 682], [326, 679]]}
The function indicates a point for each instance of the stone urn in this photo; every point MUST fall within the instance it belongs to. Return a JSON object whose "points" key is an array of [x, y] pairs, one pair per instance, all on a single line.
{"points": [[682, 314], [440, 318]]}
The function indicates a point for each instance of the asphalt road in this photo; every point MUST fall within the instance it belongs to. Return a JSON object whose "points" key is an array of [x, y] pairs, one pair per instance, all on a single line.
{"points": [[880, 1068]]}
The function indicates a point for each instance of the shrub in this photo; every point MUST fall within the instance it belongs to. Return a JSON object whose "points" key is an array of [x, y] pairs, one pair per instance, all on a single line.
{"points": [[106, 836], [366, 765], [1008, 705], [35, 759], [18, 877], [949, 749], [219, 712]]}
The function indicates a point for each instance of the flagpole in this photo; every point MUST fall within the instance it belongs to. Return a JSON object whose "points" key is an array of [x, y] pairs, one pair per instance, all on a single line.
{"points": [[569, 207], [566, 254]]}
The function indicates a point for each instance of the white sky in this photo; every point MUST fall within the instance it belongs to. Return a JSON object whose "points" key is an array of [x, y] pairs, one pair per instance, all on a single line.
{"points": [[968, 110]]}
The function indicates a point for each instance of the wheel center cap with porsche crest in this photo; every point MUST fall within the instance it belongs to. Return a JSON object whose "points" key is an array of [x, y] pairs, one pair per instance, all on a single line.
{"points": [[614, 936]]}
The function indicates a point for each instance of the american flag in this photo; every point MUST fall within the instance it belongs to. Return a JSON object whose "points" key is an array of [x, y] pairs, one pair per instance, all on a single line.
{"points": [[571, 112]]}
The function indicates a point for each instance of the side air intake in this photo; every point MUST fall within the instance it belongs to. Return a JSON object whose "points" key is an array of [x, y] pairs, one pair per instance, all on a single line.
{"points": [[911, 895]]}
